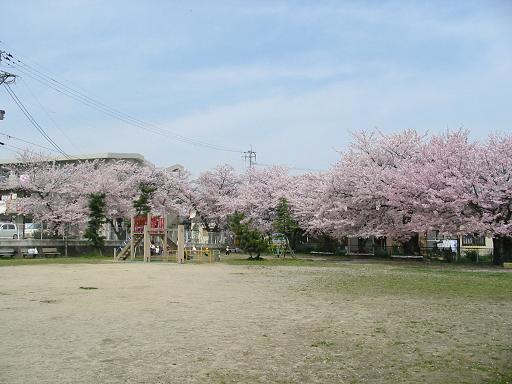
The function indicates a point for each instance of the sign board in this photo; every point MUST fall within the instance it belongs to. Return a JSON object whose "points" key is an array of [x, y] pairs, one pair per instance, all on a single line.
{"points": [[157, 224]]}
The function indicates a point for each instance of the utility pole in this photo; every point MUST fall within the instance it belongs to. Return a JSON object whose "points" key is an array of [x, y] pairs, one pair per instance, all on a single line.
{"points": [[251, 156], [5, 78]]}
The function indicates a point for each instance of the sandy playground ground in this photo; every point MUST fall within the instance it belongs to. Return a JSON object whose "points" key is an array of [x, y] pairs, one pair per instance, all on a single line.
{"points": [[168, 323]]}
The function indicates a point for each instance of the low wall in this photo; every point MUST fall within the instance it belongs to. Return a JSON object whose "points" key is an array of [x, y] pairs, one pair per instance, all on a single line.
{"points": [[71, 247]]}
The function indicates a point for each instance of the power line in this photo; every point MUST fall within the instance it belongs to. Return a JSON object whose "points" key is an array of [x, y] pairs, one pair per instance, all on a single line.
{"points": [[33, 121], [27, 142], [8, 149], [58, 86], [18, 149], [81, 97], [25, 84]]}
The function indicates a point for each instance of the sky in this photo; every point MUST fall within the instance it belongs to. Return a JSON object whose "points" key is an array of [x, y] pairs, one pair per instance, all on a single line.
{"points": [[292, 79]]}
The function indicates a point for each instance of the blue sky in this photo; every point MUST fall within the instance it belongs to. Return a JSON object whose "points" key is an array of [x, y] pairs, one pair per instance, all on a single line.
{"points": [[293, 79]]}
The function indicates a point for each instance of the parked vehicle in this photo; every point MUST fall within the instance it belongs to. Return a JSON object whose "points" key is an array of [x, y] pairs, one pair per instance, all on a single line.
{"points": [[31, 229], [8, 231], [232, 249]]}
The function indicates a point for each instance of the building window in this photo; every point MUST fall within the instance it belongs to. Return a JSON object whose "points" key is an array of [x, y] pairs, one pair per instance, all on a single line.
{"points": [[473, 240]]}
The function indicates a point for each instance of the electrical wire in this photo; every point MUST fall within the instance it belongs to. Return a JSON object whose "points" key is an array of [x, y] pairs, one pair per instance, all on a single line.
{"points": [[33, 121], [152, 128], [26, 69], [60, 87], [26, 85], [18, 150], [27, 142], [8, 149]]}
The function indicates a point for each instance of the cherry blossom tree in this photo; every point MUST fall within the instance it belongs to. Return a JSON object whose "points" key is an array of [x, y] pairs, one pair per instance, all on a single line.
{"points": [[57, 193], [211, 193], [354, 198], [306, 198], [173, 191], [394, 185], [119, 182], [259, 196], [53, 196], [401, 184], [491, 199]]}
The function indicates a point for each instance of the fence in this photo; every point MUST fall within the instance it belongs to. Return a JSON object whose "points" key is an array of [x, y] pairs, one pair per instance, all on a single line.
{"points": [[458, 253], [195, 237]]}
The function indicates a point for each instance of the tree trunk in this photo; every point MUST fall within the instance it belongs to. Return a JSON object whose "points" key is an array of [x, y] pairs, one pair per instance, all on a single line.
{"points": [[119, 231], [499, 250]]}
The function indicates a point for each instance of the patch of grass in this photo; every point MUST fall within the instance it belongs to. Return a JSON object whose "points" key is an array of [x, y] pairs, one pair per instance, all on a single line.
{"points": [[272, 261], [375, 280], [390, 278], [502, 379], [58, 260], [49, 301], [322, 343]]}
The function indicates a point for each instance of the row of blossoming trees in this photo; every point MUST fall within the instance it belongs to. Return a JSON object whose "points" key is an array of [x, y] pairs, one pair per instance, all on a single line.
{"points": [[392, 185]]}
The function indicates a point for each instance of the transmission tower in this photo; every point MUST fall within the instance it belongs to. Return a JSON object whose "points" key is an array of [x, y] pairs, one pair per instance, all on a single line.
{"points": [[251, 156]]}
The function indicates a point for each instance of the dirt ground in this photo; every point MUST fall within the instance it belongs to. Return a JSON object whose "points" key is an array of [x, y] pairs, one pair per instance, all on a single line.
{"points": [[168, 323]]}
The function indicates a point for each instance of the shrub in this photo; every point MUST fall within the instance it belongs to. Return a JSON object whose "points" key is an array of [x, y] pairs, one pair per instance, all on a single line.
{"points": [[396, 250], [471, 255], [381, 252]]}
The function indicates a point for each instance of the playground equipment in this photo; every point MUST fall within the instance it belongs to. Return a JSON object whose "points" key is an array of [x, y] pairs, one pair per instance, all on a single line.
{"points": [[280, 246], [144, 229], [148, 230], [198, 255]]}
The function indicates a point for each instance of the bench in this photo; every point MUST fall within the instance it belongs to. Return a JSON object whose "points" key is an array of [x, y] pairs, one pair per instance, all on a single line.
{"points": [[50, 252], [10, 252], [28, 252], [411, 257]]}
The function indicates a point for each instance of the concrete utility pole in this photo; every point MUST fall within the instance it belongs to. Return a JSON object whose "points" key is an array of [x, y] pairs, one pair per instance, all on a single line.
{"points": [[251, 156], [5, 78]]}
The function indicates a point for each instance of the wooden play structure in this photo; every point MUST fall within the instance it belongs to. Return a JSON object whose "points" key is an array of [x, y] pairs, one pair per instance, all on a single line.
{"points": [[148, 230], [202, 254]]}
